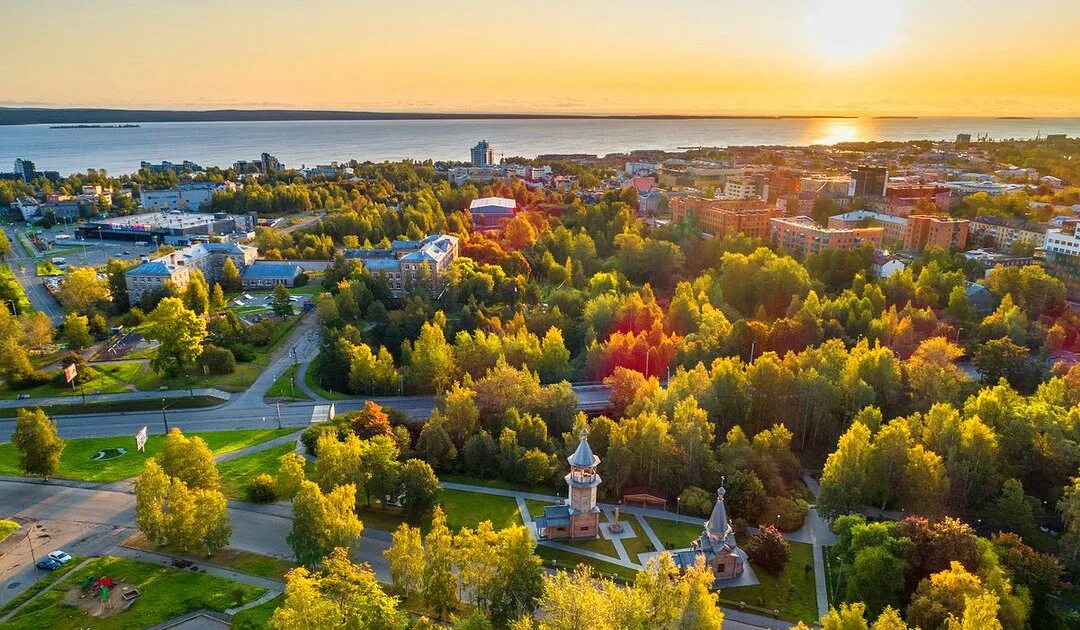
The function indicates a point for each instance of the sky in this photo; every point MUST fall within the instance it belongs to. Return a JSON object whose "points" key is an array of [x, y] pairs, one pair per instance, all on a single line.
{"points": [[727, 57]]}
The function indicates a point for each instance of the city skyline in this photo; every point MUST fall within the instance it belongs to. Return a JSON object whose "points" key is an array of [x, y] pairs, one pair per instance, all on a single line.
{"points": [[780, 57]]}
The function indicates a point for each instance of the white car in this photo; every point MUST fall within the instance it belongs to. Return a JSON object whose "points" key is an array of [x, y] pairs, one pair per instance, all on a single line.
{"points": [[60, 556]]}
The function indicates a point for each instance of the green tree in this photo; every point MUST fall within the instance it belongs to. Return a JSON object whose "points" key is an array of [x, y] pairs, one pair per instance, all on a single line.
{"points": [[290, 475], [38, 443], [77, 331], [554, 362], [190, 460], [435, 446], [430, 358], [844, 478], [1069, 508], [180, 333], [322, 522], [342, 595], [419, 489], [5, 245], [230, 277], [439, 584], [197, 293], [115, 272], [151, 489], [81, 291], [406, 559], [217, 297], [280, 301], [1012, 510]]}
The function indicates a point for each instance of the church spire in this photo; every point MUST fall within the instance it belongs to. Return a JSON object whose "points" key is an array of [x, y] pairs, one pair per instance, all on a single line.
{"points": [[717, 524], [583, 457]]}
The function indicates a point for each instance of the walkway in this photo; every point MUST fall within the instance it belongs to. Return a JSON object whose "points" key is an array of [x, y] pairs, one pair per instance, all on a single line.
{"points": [[820, 536], [76, 398]]}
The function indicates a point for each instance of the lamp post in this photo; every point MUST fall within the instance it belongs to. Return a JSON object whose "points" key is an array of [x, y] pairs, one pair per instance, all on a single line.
{"points": [[164, 419], [677, 501], [647, 351], [278, 405], [30, 539]]}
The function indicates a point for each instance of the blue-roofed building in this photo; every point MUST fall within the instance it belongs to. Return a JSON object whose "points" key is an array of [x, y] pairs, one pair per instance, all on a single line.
{"points": [[263, 274], [176, 267], [490, 213], [406, 263], [579, 518], [716, 544]]}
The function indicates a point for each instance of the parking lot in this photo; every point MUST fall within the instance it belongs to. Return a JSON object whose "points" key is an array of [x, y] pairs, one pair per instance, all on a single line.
{"points": [[91, 252]]}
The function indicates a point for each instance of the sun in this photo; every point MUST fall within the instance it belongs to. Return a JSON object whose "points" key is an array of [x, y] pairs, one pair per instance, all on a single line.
{"points": [[849, 31]]}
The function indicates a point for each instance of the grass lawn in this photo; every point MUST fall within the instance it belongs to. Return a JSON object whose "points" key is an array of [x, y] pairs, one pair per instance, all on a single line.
{"points": [[108, 378], [40, 585], [117, 406], [75, 463], [285, 386], [47, 268], [791, 591], [673, 534], [467, 509], [377, 518], [536, 508], [640, 543], [237, 473], [7, 528], [257, 616], [313, 383], [237, 559], [166, 593], [566, 560]]}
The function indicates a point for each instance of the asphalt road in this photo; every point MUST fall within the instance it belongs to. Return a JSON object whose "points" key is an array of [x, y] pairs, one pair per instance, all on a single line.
{"points": [[27, 277]]}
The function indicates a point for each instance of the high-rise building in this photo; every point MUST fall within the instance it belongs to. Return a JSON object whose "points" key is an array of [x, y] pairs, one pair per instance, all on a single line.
{"points": [[25, 169], [482, 154], [868, 181]]}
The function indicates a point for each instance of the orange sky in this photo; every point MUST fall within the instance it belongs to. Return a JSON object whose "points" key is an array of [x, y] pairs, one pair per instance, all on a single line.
{"points": [[915, 57]]}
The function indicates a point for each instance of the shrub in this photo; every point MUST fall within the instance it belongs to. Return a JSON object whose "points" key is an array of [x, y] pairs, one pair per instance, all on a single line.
{"points": [[768, 549], [311, 436], [792, 513], [217, 360], [696, 501], [134, 317], [261, 489]]}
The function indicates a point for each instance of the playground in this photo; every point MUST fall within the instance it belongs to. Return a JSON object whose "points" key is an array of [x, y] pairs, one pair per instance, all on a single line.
{"points": [[102, 596]]}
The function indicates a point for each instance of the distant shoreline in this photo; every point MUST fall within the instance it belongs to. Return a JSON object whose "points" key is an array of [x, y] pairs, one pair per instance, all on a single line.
{"points": [[101, 117]]}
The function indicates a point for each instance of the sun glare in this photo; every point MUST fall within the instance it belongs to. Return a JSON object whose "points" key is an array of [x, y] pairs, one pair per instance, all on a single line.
{"points": [[849, 31], [834, 130]]}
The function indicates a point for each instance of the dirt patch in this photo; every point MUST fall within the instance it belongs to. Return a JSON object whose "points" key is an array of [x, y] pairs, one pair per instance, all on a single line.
{"points": [[90, 602]]}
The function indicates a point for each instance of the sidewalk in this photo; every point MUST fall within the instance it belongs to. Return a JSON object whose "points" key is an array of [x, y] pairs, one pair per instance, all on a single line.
{"points": [[75, 398]]}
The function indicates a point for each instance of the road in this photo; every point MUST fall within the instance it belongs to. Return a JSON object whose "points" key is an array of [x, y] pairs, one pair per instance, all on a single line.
{"points": [[27, 277], [249, 410]]}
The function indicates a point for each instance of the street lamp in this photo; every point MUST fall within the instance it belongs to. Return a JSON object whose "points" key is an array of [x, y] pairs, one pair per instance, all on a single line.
{"points": [[164, 419], [647, 361]]}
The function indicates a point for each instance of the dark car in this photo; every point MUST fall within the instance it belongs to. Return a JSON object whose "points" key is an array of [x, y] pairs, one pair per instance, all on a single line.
{"points": [[48, 564]]}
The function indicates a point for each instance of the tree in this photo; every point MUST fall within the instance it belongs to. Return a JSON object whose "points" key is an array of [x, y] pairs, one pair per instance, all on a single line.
{"points": [[230, 277], [37, 330], [1039, 572], [517, 581], [81, 291], [151, 488], [341, 595], [5, 245], [406, 559], [430, 359], [77, 331], [180, 333], [290, 475], [876, 577], [1012, 511], [768, 549], [38, 443], [322, 522], [190, 460], [1069, 507], [942, 595], [439, 584], [933, 374], [847, 617], [419, 489], [281, 302], [370, 421], [115, 272], [435, 446], [1001, 358], [217, 297], [197, 293], [846, 472]]}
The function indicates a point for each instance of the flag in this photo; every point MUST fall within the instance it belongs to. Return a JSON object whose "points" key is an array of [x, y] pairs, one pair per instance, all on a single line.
{"points": [[69, 373], [140, 439]]}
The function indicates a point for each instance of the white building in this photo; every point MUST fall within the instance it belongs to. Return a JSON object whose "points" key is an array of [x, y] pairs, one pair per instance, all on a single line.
{"points": [[1060, 242], [644, 168], [737, 188], [28, 207]]}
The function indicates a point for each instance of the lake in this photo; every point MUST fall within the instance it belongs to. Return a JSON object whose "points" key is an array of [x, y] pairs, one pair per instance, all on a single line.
{"points": [[318, 142]]}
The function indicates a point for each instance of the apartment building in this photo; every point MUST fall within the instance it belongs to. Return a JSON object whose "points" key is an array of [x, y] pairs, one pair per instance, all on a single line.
{"points": [[895, 227], [925, 230], [405, 263], [801, 236], [1002, 234], [1062, 247], [721, 217]]}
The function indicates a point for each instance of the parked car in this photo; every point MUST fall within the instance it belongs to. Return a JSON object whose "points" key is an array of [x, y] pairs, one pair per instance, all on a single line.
{"points": [[48, 564], [60, 556], [24, 397]]}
